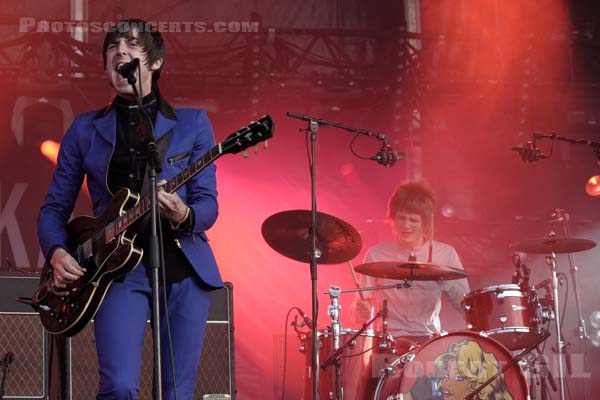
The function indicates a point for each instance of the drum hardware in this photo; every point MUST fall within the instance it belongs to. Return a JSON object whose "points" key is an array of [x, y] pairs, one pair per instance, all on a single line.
{"points": [[410, 271], [312, 237], [426, 372], [521, 274], [333, 311], [504, 312], [551, 262], [552, 245], [563, 217], [288, 233], [362, 344]]}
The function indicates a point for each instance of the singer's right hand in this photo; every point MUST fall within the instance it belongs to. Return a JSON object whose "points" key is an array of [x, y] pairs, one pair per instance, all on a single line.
{"points": [[66, 269]]}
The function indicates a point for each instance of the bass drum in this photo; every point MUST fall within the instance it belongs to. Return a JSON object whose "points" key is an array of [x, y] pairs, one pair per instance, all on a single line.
{"points": [[451, 366]]}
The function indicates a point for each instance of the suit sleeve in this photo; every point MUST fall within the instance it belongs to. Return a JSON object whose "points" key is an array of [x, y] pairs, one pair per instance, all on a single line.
{"points": [[62, 193], [201, 190]]}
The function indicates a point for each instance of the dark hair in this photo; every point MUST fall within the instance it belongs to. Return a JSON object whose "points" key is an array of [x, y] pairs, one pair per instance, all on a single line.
{"points": [[149, 38], [414, 197]]}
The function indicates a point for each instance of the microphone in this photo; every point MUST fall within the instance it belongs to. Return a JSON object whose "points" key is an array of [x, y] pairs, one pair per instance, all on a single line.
{"points": [[387, 157], [306, 318], [529, 152], [128, 70]]}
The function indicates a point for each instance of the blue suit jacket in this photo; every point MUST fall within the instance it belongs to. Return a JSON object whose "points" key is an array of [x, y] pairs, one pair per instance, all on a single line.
{"points": [[86, 150]]}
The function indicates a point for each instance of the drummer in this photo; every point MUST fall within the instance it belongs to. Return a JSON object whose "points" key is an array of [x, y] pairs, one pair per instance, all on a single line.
{"points": [[413, 313]]}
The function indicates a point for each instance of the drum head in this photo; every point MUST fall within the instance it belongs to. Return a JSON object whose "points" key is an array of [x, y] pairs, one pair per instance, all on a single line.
{"points": [[453, 365]]}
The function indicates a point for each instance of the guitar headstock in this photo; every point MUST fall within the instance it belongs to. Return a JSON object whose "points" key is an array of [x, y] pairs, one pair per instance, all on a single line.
{"points": [[249, 136]]}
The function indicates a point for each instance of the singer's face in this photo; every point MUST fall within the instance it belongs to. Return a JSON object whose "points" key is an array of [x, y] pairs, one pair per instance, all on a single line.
{"points": [[409, 229], [123, 51]]}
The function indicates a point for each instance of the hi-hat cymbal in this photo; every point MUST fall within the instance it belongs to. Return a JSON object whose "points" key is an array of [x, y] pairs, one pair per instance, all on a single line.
{"points": [[413, 270], [289, 233], [553, 245]]}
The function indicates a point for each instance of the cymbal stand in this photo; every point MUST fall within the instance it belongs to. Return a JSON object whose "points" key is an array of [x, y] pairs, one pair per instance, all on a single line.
{"points": [[333, 311], [562, 216], [334, 308], [551, 261]]}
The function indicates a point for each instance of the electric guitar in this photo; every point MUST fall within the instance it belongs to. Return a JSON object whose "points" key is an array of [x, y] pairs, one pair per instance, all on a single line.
{"points": [[105, 246]]}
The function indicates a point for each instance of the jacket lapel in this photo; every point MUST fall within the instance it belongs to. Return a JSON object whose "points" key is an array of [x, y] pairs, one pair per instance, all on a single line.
{"points": [[162, 125], [107, 126]]}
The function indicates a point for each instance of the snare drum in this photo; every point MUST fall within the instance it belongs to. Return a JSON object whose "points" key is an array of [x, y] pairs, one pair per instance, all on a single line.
{"points": [[451, 366], [506, 313], [361, 363]]}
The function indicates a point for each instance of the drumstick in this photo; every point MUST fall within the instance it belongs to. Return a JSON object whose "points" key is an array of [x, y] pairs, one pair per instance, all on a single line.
{"points": [[431, 240], [355, 280]]}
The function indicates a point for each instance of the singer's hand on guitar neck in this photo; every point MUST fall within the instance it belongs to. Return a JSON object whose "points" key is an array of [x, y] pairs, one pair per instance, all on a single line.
{"points": [[66, 269], [171, 205]]}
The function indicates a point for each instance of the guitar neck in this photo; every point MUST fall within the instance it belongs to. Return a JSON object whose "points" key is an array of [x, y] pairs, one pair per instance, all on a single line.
{"points": [[245, 137], [139, 210]]}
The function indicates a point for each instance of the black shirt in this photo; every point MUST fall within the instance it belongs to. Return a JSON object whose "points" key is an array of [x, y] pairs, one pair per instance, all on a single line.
{"points": [[127, 168]]}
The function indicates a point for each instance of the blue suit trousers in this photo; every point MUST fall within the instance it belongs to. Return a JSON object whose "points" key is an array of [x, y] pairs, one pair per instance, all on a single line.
{"points": [[120, 325]]}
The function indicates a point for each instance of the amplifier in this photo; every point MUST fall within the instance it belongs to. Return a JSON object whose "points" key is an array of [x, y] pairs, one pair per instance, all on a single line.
{"points": [[22, 334]]}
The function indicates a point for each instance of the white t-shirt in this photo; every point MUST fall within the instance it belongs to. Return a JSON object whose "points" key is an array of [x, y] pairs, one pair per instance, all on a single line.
{"points": [[415, 311]]}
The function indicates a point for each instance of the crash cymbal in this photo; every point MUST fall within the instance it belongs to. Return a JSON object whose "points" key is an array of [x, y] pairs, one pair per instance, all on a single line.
{"points": [[556, 245], [414, 270], [288, 233]]}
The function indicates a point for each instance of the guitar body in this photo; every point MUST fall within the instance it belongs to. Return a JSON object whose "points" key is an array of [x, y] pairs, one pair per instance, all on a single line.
{"points": [[105, 246], [70, 309]]}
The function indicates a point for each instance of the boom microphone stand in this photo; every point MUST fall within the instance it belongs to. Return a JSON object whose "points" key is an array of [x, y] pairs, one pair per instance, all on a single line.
{"points": [[388, 158]]}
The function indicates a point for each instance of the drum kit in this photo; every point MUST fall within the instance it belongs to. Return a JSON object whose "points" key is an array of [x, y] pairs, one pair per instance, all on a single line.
{"points": [[489, 359]]}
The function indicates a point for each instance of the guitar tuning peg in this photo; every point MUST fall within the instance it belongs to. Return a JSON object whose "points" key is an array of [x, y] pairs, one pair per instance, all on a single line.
{"points": [[246, 155], [266, 144], [256, 149]]}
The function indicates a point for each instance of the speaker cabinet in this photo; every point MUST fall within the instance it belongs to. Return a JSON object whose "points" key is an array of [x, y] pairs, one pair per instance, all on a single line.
{"points": [[216, 372], [22, 334]]}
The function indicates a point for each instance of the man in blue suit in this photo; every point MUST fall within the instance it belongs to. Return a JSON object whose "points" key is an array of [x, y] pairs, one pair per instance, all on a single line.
{"points": [[108, 147]]}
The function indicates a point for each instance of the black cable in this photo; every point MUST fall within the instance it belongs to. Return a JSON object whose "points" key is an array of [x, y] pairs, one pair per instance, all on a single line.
{"points": [[564, 310], [308, 152], [285, 331], [352, 148]]}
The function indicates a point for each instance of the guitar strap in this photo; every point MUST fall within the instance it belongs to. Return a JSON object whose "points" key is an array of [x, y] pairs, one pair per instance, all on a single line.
{"points": [[161, 145]]}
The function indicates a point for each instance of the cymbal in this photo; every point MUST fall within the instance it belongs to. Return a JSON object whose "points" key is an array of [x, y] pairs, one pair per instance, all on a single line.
{"points": [[414, 270], [556, 245], [289, 233]]}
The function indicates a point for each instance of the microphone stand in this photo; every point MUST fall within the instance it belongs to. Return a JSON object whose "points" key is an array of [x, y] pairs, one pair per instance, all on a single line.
{"points": [[154, 168], [315, 253]]}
